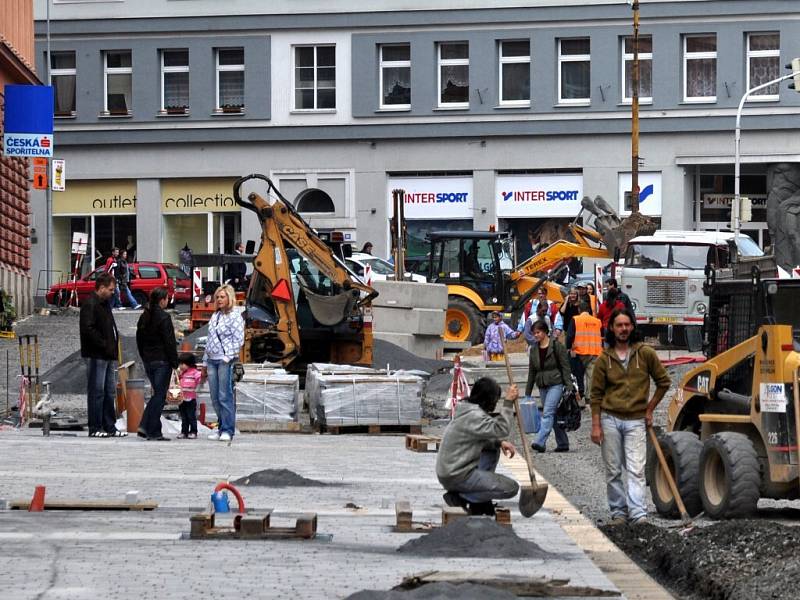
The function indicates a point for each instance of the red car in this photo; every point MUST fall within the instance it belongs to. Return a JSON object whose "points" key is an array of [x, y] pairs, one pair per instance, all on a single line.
{"points": [[145, 276]]}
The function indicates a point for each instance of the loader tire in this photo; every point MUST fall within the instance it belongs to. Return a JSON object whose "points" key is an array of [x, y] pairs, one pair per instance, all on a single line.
{"points": [[682, 452], [730, 477], [463, 322]]}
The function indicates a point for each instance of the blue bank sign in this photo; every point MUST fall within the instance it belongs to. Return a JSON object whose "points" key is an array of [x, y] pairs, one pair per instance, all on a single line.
{"points": [[28, 121]]}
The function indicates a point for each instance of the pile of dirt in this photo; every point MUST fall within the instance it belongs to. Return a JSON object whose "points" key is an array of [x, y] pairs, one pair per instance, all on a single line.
{"points": [[277, 478], [730, 560], [69, 375], [518, 345], [437, 591], [385, 353], [481, 538]]}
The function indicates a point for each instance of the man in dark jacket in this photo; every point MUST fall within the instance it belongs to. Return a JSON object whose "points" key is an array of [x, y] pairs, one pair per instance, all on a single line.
{"points": [[236, 273], [621, 296], [99, 337]]}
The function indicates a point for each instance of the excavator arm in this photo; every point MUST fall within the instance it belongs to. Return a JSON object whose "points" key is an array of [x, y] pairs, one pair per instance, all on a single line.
{"points": [[282, 225]]}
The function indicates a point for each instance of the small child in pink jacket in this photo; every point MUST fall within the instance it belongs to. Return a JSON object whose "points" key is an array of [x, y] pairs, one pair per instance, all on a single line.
{"points": [[190, 377]]}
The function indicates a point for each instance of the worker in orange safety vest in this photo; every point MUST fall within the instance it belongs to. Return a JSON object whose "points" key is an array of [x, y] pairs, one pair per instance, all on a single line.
{"points": [[585, 343]]}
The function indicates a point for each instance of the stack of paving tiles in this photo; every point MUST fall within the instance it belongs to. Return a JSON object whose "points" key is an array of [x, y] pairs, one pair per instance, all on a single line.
{"points": [[265, 393], [341, 395]]}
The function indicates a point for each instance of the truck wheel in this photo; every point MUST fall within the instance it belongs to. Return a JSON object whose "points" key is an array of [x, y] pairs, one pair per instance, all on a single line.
{"points": [[463, 322], [140, 297], [682, 451], [729, 476]]}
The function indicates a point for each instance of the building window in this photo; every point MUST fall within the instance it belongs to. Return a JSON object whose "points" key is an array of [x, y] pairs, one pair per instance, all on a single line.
{"points": [[515, 73], [645, 69], [574, 83], [230, 80], [700, 68], [395, 74], [763, 64], [118, 82], [453, 75], [62, 73], [315, 77], [175, 81]]}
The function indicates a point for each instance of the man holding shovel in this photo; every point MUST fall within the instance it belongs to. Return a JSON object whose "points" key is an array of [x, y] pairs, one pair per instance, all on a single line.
{"points": [[621, 413], [471, 446]]}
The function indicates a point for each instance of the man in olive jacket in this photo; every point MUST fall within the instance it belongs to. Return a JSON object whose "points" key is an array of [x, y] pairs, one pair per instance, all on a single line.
{"points": [[99, 337], [471, 446], [621, 413]]}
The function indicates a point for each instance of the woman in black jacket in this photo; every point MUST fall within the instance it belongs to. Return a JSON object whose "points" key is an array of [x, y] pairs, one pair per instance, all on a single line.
{"points": [[548, 368], [155, 339]]}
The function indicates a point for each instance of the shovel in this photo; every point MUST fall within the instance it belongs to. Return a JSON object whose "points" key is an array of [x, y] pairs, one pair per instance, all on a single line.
{"points": [[685, 518], [531, 498]]}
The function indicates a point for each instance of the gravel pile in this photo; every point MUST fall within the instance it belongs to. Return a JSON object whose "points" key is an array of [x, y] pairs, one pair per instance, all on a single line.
{"points": [[437, 591], [729, 560], [385, 353], [278, 478], [481, 538]]}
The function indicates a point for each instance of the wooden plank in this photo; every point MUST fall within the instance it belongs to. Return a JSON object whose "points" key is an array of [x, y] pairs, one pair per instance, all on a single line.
{"points": [[422, 443], [712, 418], [518, 585], [403, 516], [85, 505], [373, 429], [451, 513]]}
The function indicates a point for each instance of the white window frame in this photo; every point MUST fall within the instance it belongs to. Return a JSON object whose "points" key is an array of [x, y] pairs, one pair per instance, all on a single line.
{"points": [[687, 56], [65, 73], [450, 62], [174, 69], [509, 60], [392, 64], [115, 71], [776, 53], [316, 87], [628, 56], [220, 68], [565, 58]]}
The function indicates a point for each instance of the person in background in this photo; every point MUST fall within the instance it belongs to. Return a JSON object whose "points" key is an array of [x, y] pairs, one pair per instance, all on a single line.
{"points": [[607, 308], [592, 293], [224, 340], [99, 337], [548, 369], [471, 446], [492, 343], [155, 340], [585, 343], [123, 274], [236, 273], [570, 308], [531, 309], [190, 377], [111, 269], [185, 258], [622, 296], [584, 300], [367, 248], [621, 414]]}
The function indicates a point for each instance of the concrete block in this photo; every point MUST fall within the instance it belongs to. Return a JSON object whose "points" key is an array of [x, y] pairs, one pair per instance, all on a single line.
{"points": [[397, 294], [425, 321], [425, 346]]}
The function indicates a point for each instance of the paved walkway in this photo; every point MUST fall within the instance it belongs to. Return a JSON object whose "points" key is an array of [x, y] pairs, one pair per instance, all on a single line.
{"points": [[67, 555]]}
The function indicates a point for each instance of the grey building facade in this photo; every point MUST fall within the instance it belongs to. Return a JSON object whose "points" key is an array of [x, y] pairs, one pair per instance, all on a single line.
{"points": [[488, 114]]}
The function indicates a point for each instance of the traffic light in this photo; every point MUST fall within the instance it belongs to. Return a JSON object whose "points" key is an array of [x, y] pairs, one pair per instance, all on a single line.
{"points": [[795, 67]]}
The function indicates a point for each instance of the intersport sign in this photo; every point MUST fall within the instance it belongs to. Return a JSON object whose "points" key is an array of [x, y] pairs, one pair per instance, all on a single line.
{"points": [[433, 197], [538, 196]]}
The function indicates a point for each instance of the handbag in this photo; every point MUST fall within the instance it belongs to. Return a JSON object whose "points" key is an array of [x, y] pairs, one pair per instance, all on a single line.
{"points": [[529, 410], [174, 392]]}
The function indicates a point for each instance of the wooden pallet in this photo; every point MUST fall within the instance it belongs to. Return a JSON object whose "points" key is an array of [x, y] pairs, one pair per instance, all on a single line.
{"points": [[372, 429], [252, 527], [422, 443], [85, 505], [405, 519], [246, 426]]}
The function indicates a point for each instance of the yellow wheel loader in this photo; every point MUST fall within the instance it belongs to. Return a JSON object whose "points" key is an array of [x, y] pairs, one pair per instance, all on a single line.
{"points": [[733, 422]]}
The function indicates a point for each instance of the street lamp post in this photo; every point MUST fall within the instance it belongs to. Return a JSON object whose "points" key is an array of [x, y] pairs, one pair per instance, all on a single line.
{"points": [[735, 209]]}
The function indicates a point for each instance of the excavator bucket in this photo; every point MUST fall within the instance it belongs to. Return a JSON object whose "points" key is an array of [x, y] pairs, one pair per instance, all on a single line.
{"points": [[615, 232], [330, 310]]}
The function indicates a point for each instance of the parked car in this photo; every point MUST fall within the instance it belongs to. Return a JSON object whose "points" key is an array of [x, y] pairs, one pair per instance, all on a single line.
{"points": [[381, 269], [145, 276]]}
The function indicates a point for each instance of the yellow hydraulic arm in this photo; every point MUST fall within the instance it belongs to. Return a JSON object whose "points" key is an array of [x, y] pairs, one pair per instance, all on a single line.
{"points": [[281, 224]]}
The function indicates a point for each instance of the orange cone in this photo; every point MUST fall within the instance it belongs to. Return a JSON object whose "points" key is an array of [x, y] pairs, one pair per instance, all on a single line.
{"points": [[37, 503]]}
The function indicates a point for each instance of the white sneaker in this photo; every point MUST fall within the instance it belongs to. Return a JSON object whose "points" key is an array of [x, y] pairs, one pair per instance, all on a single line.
{"points": [[214, 436], [225, 437]]}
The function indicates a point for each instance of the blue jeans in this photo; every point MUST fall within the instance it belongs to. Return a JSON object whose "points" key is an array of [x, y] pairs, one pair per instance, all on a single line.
{"points": [[551, 397], [483, 484], [159, 373], [101, 391], [624, 448], [125, 293], [115, 301], [220, 387]]}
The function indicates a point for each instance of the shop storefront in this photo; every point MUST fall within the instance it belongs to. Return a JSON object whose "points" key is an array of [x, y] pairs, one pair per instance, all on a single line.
{"points": [[200, 214], [105, 210], [537, 208], [433, 204]]}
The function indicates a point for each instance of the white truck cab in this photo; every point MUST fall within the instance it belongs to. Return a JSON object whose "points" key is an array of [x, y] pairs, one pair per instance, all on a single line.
{"points": [[663, 274]]}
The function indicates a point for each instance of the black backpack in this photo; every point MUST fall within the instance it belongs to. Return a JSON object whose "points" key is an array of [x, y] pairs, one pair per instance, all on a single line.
{"points": [[568, 413]]}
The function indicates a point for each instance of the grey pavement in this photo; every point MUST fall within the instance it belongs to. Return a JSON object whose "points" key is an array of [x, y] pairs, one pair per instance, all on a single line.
{"points": [[66, 555]]}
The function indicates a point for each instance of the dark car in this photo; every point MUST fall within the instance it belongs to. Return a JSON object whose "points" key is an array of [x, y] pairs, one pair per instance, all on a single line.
{"points": [[145, 276]]}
